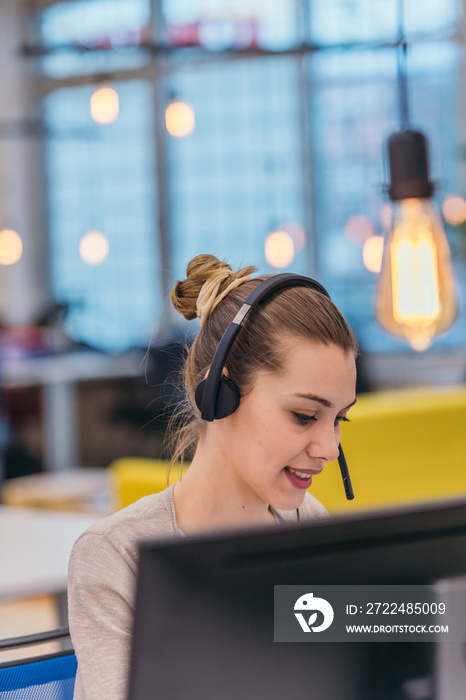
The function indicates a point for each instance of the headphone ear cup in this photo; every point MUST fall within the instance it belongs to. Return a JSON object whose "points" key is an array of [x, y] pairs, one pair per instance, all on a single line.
{"points": [[199, 394], [227, 397]]}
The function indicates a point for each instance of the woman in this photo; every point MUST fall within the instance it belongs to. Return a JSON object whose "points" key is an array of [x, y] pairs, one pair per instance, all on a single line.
{"points": [[294, 365]]}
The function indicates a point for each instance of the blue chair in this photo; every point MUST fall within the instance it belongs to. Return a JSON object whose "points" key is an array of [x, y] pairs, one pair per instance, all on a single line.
{"points": [[48, 677]]}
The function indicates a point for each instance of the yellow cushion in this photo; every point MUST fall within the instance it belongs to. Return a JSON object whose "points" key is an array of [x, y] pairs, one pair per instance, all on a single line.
{"points": [[135, 477], [402, 447]]}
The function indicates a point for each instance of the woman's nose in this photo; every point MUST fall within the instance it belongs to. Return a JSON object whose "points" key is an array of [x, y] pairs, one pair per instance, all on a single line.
{"points": [[324, 443]]}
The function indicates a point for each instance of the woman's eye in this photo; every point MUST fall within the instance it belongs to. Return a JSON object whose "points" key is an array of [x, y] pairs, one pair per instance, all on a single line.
{"points": [[341, 419], [302, 418]]}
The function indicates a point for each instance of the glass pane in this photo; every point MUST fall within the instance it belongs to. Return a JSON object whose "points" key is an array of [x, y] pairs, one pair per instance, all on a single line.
{"points": [[338, 21], [432, 17], [239, 175], [116, 27], [227, 24], [102, 178]]}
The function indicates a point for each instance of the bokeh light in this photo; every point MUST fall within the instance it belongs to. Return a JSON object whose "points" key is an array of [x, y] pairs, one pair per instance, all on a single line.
{"points": [[94, 248], [279, 249], [454, 209], [372, 252], [105, 105], [180, 119], [359, 228], [11, 247]]}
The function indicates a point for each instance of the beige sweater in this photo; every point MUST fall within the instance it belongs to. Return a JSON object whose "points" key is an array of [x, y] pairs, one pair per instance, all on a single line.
{"points": [[101, 587]]}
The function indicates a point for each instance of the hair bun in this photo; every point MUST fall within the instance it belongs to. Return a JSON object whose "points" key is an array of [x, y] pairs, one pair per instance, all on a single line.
{"points": [[208, 281]]}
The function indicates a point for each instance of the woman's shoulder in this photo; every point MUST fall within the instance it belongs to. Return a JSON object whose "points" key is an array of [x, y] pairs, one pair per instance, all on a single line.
{"points": [[151, 517], [102, 579], [310, 509]]}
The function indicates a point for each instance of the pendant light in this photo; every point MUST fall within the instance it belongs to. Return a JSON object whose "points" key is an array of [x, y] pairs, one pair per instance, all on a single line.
{"points": [[416, 295]]}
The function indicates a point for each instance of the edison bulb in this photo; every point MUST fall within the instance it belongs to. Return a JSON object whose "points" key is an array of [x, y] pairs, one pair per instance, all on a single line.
{"points": [[416, 297], [180, 119], [279, 249], [94, 248], [105, 105], [11, 247], [372, 253], [454, 209]]}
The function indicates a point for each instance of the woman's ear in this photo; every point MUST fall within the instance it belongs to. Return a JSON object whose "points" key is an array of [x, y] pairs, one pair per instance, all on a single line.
{"points": [[224, 373]]}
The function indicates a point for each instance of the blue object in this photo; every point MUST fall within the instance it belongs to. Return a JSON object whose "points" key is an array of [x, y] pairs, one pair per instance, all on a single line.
{"points": [[51, 677]]}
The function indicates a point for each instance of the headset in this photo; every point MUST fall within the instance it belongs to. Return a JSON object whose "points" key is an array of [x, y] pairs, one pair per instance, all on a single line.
{"points": [[217, 396]]}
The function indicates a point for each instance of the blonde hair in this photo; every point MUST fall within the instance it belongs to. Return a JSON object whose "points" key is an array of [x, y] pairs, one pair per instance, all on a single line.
{"points": [[297, 311]]}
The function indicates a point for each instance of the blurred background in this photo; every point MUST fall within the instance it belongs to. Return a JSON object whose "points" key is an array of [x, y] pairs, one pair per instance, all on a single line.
{"points": [[135, 134]]}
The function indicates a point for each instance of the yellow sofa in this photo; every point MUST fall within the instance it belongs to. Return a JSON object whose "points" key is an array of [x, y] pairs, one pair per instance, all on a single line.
{"points": [[404, 446]]}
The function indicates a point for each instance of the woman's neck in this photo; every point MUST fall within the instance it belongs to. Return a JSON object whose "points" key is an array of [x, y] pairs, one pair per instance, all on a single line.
{"points": [[210, 496]]}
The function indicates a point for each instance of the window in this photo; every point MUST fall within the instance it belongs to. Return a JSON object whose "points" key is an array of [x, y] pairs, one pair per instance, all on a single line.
{"points": [[102, 177], [293, 102]]}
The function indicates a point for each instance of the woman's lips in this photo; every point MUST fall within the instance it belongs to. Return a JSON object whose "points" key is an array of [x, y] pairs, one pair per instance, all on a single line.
{"points": [[300, 482]]}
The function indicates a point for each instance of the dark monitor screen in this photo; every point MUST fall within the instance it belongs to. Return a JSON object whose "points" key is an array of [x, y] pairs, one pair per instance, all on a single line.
{"points": [[204, 620]]}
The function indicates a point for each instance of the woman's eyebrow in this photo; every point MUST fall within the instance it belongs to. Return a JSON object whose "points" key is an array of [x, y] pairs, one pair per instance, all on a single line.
{"points": [[321, 400]]}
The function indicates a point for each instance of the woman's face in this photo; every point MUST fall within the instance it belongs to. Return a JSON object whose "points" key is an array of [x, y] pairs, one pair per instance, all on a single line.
{"points": [[288, 426]]}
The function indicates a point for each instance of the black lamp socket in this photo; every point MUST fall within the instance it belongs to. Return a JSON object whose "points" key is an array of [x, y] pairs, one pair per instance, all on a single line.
{"points": [[409, 166]]}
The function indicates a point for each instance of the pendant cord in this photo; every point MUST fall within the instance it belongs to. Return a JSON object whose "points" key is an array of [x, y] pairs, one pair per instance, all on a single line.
{"points": [[402, 72]]}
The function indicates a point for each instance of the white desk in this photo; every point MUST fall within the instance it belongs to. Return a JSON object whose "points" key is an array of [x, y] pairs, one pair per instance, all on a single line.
{"points": [[35, 547], [57, 376]]}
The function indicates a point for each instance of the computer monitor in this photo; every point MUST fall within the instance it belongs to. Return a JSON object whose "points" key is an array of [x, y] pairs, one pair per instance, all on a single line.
{"points": [[204, 627]]}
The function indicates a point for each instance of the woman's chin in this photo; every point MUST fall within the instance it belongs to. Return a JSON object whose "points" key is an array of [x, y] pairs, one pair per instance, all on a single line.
{"points": [[289, 502]]}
